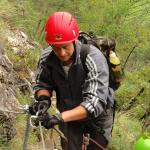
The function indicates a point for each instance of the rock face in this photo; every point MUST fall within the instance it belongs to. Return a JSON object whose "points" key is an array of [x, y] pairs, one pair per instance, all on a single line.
{"points": [[11, 83], [8, 101], [19, 41]]}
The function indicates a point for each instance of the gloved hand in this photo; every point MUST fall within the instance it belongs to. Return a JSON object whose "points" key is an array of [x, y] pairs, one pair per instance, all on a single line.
{"points": [[41, 105], [50, 121]]}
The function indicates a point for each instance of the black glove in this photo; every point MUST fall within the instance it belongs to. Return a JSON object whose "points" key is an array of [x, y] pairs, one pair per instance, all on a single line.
{"points": [[50, 121], [41, 105]]}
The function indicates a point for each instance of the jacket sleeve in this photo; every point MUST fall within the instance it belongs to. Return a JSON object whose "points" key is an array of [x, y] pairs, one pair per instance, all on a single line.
{"points": [[43, 74], [95, 88]]}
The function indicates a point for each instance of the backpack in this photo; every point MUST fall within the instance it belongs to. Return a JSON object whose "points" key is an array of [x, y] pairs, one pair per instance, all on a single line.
{"points": [[107, 47]]}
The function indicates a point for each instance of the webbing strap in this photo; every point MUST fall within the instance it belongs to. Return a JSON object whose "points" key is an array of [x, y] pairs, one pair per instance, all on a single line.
{"points": [[85, 48]]}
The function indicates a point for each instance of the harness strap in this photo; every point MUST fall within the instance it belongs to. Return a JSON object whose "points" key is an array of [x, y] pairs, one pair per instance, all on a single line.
{"points": [[85, 48]]}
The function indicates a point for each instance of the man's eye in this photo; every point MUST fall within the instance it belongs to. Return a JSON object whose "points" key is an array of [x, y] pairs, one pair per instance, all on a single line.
{"points": [[64, 47]]}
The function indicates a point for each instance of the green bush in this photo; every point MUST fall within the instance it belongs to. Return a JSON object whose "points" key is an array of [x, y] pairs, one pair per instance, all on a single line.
{"points": [[126, 130]]}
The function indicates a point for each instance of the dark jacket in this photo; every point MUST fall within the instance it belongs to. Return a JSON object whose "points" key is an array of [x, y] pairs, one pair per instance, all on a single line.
{"points": [[89, 90]]}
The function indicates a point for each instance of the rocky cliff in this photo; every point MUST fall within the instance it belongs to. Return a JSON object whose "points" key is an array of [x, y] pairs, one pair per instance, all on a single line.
{"points": [[11, 84]]}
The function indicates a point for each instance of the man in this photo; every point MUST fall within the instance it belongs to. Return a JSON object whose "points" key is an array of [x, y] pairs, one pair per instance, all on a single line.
{"points": [[84, 98]]}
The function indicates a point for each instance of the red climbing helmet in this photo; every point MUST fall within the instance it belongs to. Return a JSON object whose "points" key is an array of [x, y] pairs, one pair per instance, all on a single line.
{"points": [[61, 28]]}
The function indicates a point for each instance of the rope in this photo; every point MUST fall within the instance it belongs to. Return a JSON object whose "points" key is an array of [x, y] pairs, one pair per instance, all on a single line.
{"points": [[26, 135], [42, 137], [100, 146], [86, 140], [61, 134]]}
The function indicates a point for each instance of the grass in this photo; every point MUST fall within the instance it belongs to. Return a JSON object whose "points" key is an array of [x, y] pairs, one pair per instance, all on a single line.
{"points": [[126, 130]]}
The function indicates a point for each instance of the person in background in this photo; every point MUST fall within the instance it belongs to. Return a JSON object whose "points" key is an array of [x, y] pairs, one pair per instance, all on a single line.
{"points": [[84, 98]]}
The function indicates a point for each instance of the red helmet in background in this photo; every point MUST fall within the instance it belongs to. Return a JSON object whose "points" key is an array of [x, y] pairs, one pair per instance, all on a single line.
{"points": [[61, 28]]}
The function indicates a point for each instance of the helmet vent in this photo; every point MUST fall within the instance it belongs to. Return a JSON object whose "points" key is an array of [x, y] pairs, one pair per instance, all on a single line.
{"points": [[74, 33]]}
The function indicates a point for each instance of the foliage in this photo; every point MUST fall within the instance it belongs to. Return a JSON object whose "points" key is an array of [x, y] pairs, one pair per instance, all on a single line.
{"points": [[5, 14], [21, 62], [125, 132], [131, 85]]}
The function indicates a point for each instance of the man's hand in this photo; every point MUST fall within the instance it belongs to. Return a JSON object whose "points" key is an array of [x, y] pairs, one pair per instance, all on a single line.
{"points": [[41, 105], [50, 121]]}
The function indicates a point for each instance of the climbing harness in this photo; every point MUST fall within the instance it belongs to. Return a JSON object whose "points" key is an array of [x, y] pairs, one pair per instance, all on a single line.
{"points": [[86, 141]]}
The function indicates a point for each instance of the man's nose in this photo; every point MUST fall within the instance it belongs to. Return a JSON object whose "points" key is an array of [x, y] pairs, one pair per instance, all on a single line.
{"points": [[62, 52]]}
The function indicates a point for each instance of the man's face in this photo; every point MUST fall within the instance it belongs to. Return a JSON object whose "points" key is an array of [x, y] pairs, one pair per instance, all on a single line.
{"points": [[64, 51]]}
